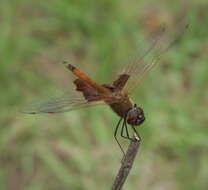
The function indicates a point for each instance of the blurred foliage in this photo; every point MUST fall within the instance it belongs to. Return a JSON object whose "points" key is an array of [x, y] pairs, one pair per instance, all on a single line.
{"points": [[76, 150]]}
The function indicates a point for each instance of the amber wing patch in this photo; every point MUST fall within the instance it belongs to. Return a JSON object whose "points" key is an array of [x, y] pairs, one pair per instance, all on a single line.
{"points": [[121, 81]]}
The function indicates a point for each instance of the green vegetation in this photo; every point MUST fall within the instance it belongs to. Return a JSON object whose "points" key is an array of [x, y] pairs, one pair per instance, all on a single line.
{"points": [[76, 150]]}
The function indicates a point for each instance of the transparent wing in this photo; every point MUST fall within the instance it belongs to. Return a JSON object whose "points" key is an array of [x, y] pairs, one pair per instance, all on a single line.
{"points": [[59, 104], [145, 61]]}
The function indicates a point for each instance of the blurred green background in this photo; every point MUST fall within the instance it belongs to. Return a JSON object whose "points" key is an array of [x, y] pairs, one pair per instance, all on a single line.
{"points": [[76, 150]]}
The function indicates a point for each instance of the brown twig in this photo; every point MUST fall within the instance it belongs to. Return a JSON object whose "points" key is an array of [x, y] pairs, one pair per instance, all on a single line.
{"points": [[126, 164]]}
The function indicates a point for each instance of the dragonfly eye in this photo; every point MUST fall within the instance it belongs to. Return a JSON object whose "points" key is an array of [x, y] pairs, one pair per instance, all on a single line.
{"points": [[140, 119], [135, 116], [140, 116]]}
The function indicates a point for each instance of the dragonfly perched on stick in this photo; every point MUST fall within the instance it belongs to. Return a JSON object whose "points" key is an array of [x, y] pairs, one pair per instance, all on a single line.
{"points": [[116, 95]]}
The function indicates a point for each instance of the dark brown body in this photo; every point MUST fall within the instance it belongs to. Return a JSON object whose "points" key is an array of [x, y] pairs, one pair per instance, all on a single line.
{"points": [[122, 105], [121, 108]]}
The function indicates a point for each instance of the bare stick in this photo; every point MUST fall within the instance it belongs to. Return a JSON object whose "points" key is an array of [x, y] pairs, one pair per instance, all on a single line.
{"points": [[126, 164]]}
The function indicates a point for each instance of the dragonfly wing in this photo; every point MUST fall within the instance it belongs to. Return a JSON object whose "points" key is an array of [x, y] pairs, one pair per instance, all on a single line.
{"points": [[65, 103], [59, 104], [144, 62]]}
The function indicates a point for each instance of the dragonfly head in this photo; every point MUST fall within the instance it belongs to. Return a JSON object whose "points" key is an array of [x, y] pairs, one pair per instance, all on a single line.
{"points": [[135, 116]]}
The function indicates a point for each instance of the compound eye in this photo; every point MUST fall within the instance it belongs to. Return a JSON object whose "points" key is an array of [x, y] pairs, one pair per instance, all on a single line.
{"points": [[140, 116], [140, 119]]}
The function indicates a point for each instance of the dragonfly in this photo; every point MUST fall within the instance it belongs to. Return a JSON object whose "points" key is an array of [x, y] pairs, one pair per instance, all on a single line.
{"points": [[117, 94]]}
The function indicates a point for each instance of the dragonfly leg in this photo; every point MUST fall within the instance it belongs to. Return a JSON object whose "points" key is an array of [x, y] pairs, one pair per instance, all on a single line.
{"points": [[127, 132], [124, 125], [115, 136], [122, 130], [137, 134]]}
